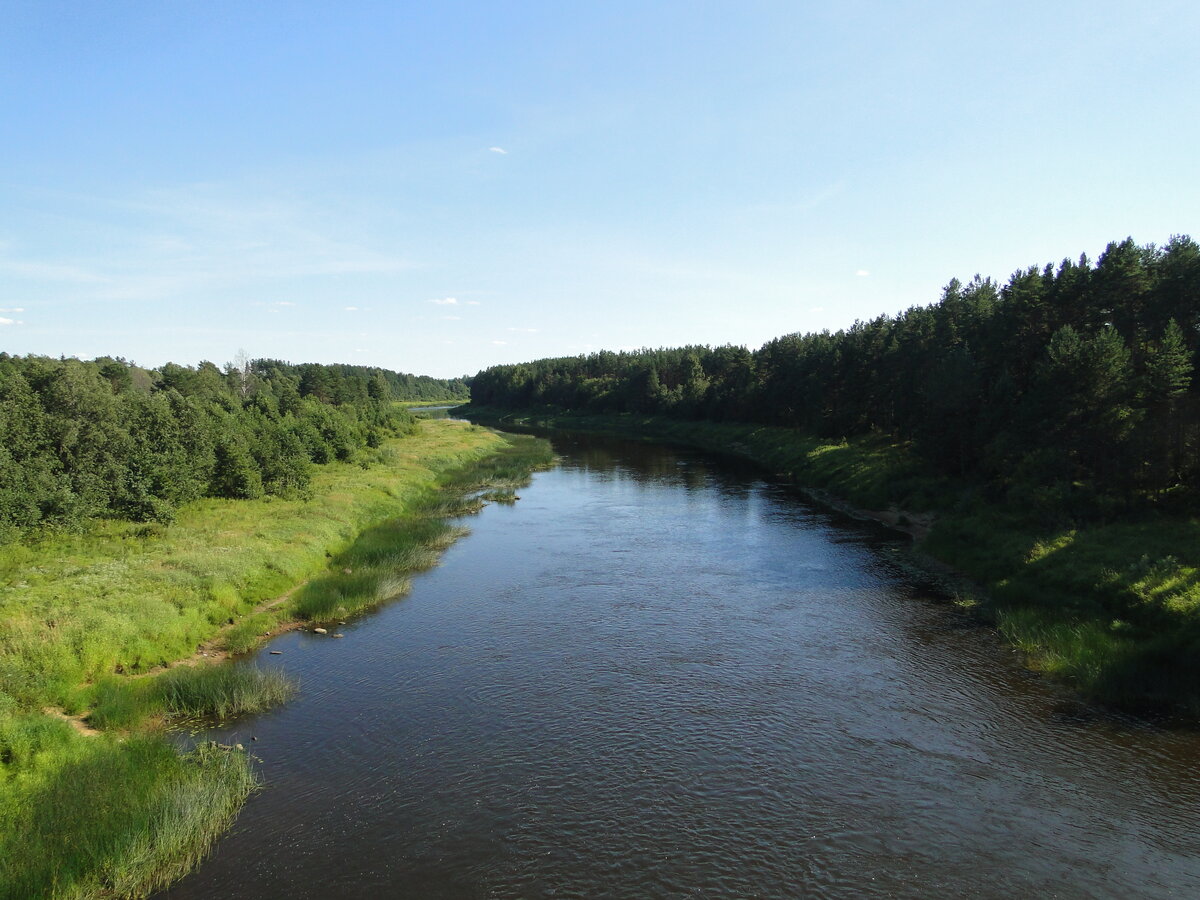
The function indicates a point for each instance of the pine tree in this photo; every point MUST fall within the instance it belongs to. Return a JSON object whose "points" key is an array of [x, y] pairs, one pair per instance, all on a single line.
{"points": [[1166, 380]]}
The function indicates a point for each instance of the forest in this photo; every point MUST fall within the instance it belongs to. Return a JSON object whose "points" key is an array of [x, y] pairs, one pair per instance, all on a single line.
{"points": [[107, 438], [1067, 391]]}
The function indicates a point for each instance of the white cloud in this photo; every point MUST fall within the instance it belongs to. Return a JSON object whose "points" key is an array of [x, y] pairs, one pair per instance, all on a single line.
{"points": [[499, 343], [4, 321], [524, 330], [351, 309], [199, 237], [446, 301], [284, 303], [862, 273], [14, 309], [472, 303], [43, 271], [499, 150]]}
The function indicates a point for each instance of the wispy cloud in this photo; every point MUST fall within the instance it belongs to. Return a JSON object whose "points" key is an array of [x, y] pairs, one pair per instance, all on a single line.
{"points": [[166, 243], [472, 303], [446, 301], [4, 321], [524, 330], [862, 273], [499, 343], [351, 308], [499, 150], [13, 309], [50, 271]]}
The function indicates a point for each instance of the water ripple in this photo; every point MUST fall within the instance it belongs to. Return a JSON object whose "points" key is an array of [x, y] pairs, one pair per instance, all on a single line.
{"points": [[660, 677]]}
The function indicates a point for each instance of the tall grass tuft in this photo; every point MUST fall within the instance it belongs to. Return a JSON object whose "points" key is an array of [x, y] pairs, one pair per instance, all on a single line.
{"points": [[116, 819], [248, 633], [221, 690]]}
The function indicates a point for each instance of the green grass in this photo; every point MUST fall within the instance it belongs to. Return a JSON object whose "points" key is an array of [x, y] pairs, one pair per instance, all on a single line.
{"points": [[377, 566], [1112, 609], [187, 692], [82, 613], [509, 495], [127, 598], [250, 631], [115, 819]]}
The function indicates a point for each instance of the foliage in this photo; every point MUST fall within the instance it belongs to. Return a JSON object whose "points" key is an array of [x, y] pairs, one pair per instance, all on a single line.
{"points": [[1067, 388], [106, 438]]}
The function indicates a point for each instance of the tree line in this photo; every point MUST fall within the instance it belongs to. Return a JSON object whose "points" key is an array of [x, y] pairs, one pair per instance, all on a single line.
{"points": [[1068, 390], [106, 438]]}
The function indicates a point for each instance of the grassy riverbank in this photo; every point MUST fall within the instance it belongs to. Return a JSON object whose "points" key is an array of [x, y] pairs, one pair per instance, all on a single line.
{"points": [[93, 800], [1113, 609]]}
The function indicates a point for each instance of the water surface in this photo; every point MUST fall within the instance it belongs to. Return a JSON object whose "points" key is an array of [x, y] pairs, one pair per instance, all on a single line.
{"points": [[658, 675]]}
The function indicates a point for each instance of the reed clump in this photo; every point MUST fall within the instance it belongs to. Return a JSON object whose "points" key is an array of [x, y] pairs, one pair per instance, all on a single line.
{"points": [[105, 818], [215, 689]]}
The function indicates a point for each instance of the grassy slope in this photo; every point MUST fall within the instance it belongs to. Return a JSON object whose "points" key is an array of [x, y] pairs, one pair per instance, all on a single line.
{"points": [[1113, 609], [127, 597], [120, 815]]}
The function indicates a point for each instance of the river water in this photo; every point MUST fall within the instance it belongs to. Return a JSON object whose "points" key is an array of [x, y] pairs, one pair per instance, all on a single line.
{"points": [[658, 675]]}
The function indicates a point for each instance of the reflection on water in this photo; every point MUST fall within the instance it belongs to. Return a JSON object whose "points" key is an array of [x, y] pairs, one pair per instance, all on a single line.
{"points": [[658, 676]]}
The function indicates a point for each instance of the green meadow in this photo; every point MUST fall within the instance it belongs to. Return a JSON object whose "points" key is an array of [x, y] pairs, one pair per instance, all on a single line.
{"points": [[94, 802]]}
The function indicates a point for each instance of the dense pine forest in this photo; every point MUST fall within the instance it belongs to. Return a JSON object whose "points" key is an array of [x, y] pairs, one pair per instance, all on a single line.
{"points": [[108, 438], [1068, 391]]}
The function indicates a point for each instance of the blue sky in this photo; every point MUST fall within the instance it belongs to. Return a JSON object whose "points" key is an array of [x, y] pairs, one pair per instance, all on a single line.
{"points": [[436, 188]]}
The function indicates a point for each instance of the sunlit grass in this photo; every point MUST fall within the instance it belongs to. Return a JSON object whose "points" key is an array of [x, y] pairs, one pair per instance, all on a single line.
{"points": [[127, 598], [376, 567], [80, 613], [187, 691]]}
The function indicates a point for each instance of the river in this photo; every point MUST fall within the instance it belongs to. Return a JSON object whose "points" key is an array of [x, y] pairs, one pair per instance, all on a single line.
{"points": [[659, 675]]}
